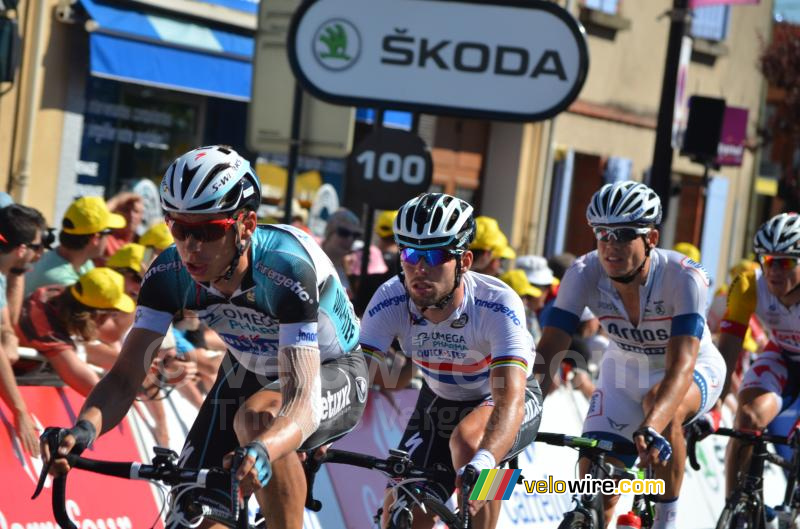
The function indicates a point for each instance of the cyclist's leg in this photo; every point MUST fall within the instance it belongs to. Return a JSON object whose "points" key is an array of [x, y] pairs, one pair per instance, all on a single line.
{"points": [[469, 433], [705, 389], [426, 442], [615, 410], [760, 401], [212, 435], [344, 390]]}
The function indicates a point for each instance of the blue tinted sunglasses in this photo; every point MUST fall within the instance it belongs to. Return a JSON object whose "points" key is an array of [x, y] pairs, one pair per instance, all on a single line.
{"points": [[433, 257]]}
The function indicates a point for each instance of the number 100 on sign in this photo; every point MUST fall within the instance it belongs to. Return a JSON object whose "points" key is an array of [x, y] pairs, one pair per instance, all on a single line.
{"points": [[389, 168]]}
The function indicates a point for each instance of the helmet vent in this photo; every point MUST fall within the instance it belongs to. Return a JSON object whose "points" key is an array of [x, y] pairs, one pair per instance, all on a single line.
{"points": [[186, 178], [210, 178]]}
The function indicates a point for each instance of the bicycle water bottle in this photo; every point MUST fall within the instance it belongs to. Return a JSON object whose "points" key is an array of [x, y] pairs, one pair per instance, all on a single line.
{"points": [[629, 521]]}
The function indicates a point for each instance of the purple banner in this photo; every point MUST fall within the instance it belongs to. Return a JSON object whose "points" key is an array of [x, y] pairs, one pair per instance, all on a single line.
{"points": [[734, 133]]}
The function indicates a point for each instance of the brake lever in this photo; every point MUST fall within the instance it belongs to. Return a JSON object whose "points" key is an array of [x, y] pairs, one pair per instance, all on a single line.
{"points": [[52, 444], [236, 500]]}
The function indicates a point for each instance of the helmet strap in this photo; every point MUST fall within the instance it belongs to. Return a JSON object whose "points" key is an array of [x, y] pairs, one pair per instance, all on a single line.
{"points": [[630, 277], [240, 248]]}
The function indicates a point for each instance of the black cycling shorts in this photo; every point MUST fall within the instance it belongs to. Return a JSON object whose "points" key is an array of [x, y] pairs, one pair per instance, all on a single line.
{"points": [[427, 435], [344, 390]]}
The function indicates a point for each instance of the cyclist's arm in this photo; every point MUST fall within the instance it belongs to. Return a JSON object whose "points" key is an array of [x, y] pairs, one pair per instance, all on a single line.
{"points": [[553, 341], [680, 361], [301, 405], [399, 377], [508, 393], [114, 394]]}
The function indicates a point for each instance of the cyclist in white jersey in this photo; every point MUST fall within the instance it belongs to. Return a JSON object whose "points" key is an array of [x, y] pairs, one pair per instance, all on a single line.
{"points": [[294, 377], [772, 384], [466, 334], [661, 369]]}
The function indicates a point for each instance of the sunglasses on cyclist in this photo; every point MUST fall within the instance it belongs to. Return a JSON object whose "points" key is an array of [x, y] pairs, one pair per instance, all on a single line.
{"points": [[344, 233], [774, 261], [626, 234], [434, 257], [207, 231]]}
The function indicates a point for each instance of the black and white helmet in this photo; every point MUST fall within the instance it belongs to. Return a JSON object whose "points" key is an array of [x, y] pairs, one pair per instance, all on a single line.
{"points": [[434, 220], [624, 202], [780, 235], [211, 179]]}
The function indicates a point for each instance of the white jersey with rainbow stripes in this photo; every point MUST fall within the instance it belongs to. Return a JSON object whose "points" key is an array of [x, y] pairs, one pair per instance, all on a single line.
{"points": [[454, 356]]}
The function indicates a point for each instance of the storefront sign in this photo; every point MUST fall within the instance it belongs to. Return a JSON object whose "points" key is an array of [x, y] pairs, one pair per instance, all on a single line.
{"points": [[732, 138], [513, 60], [388, 168]]}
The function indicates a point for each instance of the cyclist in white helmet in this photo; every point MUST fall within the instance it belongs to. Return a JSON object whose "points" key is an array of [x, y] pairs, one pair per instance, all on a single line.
{"points": [[467, 335], [661, 369], [275, 299], [772, 384]]}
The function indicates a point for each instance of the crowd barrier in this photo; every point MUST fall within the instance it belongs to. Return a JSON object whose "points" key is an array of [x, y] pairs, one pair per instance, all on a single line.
{"points": [[350, 496]]}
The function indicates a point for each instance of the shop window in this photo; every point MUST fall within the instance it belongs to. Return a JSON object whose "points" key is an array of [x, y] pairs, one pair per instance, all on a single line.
{"points": [[606, 6], [711, 22]]}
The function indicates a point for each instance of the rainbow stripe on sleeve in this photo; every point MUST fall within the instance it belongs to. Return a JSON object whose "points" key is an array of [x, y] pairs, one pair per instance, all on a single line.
{"points": [[372, 352], [495, 484], [504, 361]]}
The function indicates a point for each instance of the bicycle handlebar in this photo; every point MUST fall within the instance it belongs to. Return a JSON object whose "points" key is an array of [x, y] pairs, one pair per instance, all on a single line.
{"points": [[592, 445], [163, 471], [693, 435]]}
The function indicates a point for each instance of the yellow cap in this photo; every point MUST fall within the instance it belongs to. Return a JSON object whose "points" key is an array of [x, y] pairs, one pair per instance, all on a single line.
{"points": [[158, 236], [519, 283], [689, 250], [89, 215], [504, 252], [486, 230], [384, 226], [129, 256], [745, 265], [103, 288]]}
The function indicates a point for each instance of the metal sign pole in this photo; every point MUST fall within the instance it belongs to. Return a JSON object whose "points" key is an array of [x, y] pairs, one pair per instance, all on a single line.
{"points": [[294, 147], [369, 214]]}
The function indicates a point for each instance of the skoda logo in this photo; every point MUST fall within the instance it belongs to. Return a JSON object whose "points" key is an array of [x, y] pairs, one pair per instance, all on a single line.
{"points": [[337, 44]]}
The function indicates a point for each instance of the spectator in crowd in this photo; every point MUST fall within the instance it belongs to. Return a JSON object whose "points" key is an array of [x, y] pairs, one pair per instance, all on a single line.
{"points": [[156, 239], [84, 233], [20, 244], [130, 206], [689, 250], [517, 280], [559, 264], [56, 318], [341, 232], [384, 229], [490, 249], [23, 230], [540, 276]]}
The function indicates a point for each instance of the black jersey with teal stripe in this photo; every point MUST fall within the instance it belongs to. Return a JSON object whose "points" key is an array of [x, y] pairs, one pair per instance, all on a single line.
{"points": [[290, 295]]}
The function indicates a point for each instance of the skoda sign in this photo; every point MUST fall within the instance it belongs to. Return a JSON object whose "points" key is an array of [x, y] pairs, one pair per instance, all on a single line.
{"points": [[515, 60]]}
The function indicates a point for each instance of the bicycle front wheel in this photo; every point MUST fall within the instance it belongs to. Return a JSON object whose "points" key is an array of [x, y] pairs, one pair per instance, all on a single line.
{"points": [[739, 516], [448, 517], [577, 519]]}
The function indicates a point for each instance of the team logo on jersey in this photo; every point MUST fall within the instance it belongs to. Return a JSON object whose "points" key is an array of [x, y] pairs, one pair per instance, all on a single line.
{"points": [[659, 308], [595, 404], [697, 268], [616, 425], [413, 443], [335, 403], [361, 389], [460, 322]]}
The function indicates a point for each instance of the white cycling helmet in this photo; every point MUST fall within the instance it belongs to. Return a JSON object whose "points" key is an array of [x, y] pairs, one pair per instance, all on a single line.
{"points": [[624, 202], [212, 179], [434, 220], [779, 235]]}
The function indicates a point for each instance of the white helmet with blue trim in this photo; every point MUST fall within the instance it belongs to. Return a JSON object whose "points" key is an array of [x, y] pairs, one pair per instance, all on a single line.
{"points": [[625, 202], [212, 179], [780, 235], [434, 220]]}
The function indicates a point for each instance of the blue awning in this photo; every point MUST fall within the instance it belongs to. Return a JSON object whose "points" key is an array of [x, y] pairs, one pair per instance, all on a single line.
{"points": [[391, 118], [141, 47]]}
